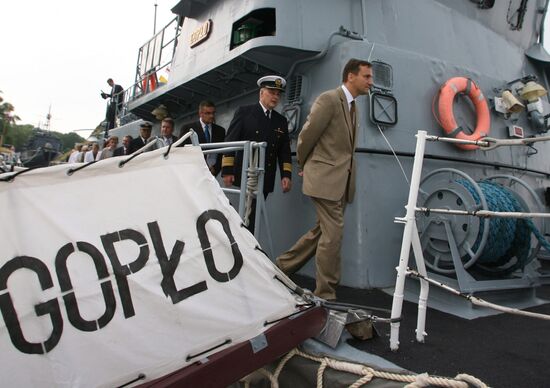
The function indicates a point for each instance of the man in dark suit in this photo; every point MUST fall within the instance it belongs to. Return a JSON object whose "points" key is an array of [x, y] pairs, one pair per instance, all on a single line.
{"points": [[116, 95], [145, 129], [261, 123], [167, 131], [208, 132], [125, 148], [325, 151], [115, 105]]}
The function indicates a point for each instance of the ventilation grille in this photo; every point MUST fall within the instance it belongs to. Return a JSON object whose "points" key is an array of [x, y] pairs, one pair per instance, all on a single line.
{"points": [[294, 89]]}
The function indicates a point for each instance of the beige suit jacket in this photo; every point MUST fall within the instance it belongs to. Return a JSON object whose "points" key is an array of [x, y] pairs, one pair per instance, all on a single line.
{"points": [[326, 147]]}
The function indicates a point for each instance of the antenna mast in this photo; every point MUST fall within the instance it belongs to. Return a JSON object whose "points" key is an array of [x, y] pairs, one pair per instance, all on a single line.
{"points": [[48, 118], [155, 20]]}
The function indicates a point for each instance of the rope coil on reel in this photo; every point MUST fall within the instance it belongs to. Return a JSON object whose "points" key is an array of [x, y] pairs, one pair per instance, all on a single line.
{"points": [[508, 237], [495, 246]]}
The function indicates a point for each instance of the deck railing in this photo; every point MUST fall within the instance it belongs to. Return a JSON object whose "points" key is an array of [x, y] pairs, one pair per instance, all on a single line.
{"points": [[153, 65], [412, 239]]}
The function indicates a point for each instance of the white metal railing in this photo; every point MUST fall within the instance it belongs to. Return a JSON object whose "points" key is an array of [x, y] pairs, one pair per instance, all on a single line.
{"points": [[154, 57], [411, 238], [250, 163], [253, 162]]}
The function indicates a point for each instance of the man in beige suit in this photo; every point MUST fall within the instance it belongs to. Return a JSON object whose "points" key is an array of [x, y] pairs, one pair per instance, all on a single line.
{"points": [[325, 152]]}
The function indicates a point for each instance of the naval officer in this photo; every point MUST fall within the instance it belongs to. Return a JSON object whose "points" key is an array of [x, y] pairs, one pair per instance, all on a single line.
{"points": [[261, 123], [144, 137]]}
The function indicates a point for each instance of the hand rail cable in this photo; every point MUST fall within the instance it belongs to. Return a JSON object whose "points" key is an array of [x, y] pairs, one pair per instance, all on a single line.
{"points": [[489, 143], [475, 300], [11, 177], [150, 144]]}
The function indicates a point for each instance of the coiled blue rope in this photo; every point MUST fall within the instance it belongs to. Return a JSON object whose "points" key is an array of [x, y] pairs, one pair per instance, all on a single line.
{"points": [[508, 237]]}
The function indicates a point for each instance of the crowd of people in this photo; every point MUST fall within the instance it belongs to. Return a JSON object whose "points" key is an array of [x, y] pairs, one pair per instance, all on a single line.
{"points": [[84, 153]]}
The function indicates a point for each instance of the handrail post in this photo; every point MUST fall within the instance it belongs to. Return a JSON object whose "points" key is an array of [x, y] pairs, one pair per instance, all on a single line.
{"points": [[410, 220], [424, 286], [260, 200], [247, 149]]}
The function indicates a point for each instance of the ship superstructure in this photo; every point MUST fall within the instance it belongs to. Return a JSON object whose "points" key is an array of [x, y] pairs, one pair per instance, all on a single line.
{"points": [[218, 49]]}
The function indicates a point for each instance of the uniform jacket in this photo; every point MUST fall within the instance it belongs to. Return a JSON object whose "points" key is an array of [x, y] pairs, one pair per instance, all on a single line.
{"points": [[250, 123], [136, 144], [120, 151], [217, 134], [325, 149]]}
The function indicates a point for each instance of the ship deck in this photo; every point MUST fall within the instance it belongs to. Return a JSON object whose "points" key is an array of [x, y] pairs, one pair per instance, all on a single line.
{"points": [[502, 350]]}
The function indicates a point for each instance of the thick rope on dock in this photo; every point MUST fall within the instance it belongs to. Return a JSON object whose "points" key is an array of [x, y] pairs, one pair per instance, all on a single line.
{"points": [[367, 374], [508, 237]]}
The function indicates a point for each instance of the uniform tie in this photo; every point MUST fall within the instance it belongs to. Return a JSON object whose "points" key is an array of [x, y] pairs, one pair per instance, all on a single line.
{"points": [[268, 114], [207, 132]]}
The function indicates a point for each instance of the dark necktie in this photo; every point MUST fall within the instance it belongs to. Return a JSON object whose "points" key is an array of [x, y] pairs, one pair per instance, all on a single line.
{"points": [[207, 132], [268, 114], [352, 113]]}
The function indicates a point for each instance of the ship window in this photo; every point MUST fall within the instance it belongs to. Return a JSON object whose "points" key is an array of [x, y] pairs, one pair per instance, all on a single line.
{"points": [[382, 75], [383, 109], [260, 22], [292, 114]]}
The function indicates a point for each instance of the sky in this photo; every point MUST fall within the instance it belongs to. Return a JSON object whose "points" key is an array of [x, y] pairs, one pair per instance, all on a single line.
{"points": [[60, 53]]}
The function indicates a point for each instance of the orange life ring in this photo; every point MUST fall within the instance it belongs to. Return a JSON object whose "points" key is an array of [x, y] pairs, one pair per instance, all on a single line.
{"points": [[447, 94]]}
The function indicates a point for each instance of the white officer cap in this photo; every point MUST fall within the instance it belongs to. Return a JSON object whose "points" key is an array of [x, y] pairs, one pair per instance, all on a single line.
{"points": [[272, 82]]}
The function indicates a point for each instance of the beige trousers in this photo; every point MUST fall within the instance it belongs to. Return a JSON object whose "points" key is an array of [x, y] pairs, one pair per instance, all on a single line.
{"points": [[323, 241]]}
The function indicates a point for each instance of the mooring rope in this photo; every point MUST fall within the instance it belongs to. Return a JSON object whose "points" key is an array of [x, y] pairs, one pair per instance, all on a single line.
{"points": [[508, 237], [367, 374], [251, 184]]}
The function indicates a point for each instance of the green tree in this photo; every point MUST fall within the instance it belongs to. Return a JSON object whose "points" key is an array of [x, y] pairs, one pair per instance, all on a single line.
{"points": [[18, 135], [7, 118], [68, 140]]}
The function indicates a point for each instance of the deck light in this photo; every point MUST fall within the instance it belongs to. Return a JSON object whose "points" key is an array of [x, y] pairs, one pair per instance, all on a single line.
{"points": [[532, 91], [511, 103]]}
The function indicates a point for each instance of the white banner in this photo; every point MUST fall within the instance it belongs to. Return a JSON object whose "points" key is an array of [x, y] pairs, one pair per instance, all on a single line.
{"points": [[112, 272]]}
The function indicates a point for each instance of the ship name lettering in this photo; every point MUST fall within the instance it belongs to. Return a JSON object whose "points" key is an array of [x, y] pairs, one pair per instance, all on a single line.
{"points": [[168, 262], [200, 34]]}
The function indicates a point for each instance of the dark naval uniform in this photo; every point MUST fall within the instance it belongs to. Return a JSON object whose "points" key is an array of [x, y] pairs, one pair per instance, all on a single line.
{"points": [[250, 123]]}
